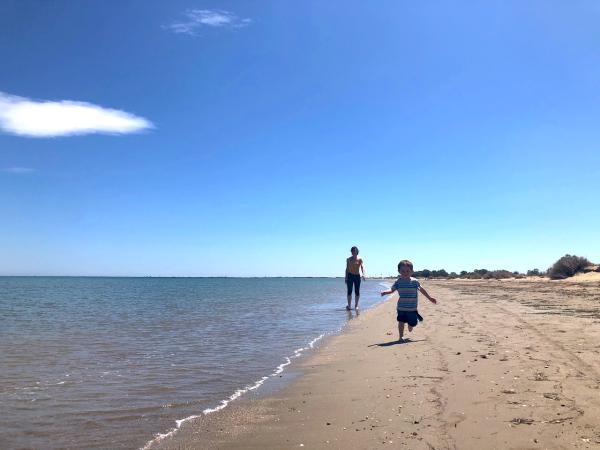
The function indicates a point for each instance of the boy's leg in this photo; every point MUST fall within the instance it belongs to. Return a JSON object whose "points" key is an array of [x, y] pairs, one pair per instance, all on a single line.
{"points": [[356, 297], [356, 291], [349, 302], [400, 330], [413, 320]]}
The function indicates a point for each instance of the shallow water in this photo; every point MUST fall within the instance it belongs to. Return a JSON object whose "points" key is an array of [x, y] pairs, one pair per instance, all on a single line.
{"points": [[111, 362]]}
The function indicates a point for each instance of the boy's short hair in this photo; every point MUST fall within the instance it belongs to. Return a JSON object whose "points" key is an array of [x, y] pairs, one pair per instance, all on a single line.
{"points": [[405, 262], [354, 248]]}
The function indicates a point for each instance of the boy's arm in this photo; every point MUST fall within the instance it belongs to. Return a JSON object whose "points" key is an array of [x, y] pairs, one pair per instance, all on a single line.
{"points": [[391, 291], [362, 266], [429, 297]]}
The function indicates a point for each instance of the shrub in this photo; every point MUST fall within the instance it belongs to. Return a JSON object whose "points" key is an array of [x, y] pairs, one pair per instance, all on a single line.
{"points": [[567, 266], [431, 273], [439, 273], [473, 276], [499, 274], [479, 274]]}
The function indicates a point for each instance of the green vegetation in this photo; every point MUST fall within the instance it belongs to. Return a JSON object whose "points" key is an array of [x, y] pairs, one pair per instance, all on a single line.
{"points": [[478, 274], [535, 273], [567, 266]]}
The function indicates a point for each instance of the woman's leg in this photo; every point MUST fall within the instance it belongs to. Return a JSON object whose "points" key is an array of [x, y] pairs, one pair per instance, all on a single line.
{"points": [[356, 291], [349, 292]]}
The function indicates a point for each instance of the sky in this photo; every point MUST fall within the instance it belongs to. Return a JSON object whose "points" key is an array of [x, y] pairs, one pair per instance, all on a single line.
{"points": [[265, 138]]}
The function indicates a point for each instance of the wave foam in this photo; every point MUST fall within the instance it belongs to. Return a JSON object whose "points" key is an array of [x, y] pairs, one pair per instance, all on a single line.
{"points": [[237, 394]]}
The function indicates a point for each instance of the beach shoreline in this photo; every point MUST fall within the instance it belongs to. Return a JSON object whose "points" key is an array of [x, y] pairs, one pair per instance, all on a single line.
{"points": [[495, 365]]}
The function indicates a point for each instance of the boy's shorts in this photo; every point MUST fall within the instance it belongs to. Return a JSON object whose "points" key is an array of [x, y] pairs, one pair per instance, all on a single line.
{"points": [[409, 317]]}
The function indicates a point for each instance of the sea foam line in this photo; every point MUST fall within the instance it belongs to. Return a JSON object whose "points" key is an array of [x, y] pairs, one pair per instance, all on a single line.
{"points": [[238, 393]]}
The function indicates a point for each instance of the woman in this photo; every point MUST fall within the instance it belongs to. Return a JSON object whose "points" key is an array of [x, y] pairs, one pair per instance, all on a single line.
{"points": [[354, 265]]}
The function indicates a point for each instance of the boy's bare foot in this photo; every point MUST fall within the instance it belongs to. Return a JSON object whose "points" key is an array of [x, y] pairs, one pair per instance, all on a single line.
{"points": [[348, 308], [400, 340]]}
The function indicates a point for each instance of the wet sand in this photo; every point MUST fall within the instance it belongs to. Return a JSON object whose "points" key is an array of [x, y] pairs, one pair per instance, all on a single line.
{"points": [[496, 365]]}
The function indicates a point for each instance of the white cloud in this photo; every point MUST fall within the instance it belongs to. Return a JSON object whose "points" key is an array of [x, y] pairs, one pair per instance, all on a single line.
{"points": [[18, 170], [198, 18], [32, 118]]}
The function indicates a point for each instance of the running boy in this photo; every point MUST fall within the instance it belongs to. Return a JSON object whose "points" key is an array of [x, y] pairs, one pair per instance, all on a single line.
{"points": [[408, 288]]}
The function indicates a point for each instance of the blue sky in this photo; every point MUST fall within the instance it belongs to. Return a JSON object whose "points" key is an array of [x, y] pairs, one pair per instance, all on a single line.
{"points": [[202, 138]]}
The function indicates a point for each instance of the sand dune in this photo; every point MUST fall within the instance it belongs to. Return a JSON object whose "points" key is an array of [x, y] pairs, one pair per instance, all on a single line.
{"points": [[585, 277]]}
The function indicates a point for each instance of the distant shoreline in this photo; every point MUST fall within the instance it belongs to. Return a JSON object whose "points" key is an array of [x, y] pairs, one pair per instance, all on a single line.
{"points": [[580, 277]]}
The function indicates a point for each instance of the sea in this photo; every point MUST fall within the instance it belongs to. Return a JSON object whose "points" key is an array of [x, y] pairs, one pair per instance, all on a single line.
{"points": [[119, 363]]}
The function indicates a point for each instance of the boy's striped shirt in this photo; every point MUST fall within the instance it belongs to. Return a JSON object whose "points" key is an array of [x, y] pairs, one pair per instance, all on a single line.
{"points": [[407, 293]]}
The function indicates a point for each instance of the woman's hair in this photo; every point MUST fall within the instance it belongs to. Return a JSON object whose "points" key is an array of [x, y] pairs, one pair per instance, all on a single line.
{"points": [[354, 248], [405, 262]]}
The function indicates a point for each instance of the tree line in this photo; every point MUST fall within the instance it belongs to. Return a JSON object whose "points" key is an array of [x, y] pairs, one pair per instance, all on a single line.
{"points": [[564, 267]]}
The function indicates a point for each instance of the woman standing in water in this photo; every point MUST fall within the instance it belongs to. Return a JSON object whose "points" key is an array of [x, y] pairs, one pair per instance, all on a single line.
{"points": [[354, 265]]}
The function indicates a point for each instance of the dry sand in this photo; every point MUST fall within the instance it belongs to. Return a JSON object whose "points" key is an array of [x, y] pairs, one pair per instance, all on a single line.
{"points": [[593, 277], [496, 365]]}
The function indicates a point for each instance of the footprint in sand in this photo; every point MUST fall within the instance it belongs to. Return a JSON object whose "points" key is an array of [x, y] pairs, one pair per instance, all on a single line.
{"points": [[540, 376], [551, 395], [456, 418]]}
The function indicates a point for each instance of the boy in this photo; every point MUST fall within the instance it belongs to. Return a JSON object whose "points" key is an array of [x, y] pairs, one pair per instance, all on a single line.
{"points": [[408, 298]]}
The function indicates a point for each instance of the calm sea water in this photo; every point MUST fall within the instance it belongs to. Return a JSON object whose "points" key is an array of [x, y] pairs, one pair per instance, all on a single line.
{"points": [[112, 362]]}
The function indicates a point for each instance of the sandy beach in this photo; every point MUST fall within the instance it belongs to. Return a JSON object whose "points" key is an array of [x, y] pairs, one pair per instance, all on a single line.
{"points": [[496, 365]]}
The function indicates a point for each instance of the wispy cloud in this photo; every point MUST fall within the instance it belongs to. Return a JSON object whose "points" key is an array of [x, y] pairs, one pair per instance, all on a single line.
{"points": [[33, 118], [18, 170], [199, 18]]}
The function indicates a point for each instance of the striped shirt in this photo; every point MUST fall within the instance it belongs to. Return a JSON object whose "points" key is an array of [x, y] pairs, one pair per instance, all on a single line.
{"points": [[407, 293]]}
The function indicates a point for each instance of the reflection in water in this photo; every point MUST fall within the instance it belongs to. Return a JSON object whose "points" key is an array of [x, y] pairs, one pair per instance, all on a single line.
{"points": [[352, 313]]}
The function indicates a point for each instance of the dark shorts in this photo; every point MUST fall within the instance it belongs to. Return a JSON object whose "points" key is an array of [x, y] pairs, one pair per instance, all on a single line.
{"points": [[409, 317], [353, 280]]}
